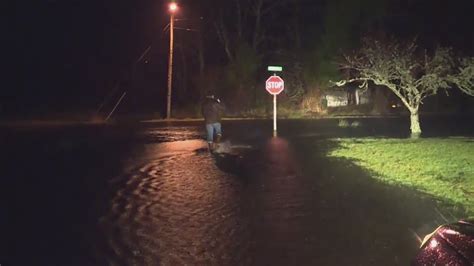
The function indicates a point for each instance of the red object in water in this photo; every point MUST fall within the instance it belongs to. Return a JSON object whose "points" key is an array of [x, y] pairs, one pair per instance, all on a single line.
{"points": [[451, 244]]}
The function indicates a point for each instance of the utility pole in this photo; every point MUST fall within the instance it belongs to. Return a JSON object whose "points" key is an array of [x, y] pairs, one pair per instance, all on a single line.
{"points": [[172, 8]]}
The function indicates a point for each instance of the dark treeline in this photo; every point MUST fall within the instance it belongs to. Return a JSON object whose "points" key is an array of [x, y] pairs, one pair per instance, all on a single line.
{"points": [[75, 56]]}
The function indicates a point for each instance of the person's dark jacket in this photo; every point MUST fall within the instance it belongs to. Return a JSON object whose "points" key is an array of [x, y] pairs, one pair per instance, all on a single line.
{"points": [[212, 110]]}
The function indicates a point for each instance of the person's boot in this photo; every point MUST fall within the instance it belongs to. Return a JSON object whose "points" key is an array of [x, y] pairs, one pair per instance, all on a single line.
{"points": [[211, 146], [218, 138]]}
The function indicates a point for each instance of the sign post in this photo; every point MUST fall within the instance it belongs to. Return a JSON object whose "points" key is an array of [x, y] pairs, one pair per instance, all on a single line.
{"points": [[274, 85], [274, 113]]}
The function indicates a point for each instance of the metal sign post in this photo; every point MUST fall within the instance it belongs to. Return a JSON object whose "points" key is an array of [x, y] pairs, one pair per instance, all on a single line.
{"points": [[274, 114]]}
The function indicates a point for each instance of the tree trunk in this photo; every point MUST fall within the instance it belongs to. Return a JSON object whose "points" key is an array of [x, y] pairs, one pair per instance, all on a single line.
{"points": [[415, 124], [222, 34], [239, 18], [258, 17], [202, 62], [296, 25]]}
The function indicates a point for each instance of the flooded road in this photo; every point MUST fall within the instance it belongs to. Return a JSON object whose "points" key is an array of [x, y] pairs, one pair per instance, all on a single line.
{"points": [[153, 195]]}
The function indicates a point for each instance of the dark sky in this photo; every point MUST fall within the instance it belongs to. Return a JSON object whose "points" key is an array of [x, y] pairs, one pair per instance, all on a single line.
{"points": [[65, 49], [69, 54]]}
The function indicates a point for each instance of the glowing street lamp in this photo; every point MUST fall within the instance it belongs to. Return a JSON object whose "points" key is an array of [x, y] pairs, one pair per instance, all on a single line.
{"points": [[173, 7]]}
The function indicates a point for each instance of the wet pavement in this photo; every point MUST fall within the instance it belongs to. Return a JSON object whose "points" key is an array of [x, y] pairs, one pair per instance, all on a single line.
{"points": [[151, 194]]}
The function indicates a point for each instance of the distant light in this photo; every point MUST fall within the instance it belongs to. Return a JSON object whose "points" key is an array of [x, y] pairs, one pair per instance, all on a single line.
{"points": [[173, 7], [394, 106]]}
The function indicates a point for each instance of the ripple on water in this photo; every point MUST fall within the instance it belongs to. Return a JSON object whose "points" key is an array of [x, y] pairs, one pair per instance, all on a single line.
{"points": [[169, 134], [177, 209]]}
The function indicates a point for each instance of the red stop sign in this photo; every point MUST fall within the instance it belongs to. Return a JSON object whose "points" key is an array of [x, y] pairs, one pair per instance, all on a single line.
{"points": [[274, 85]]}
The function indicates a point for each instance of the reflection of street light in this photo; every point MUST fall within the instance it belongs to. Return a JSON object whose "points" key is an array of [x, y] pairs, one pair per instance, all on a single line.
{"points": [[173, 7]]}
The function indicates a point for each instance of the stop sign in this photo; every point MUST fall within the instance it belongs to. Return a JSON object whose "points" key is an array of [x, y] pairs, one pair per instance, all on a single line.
{"points": [[274, 85]]}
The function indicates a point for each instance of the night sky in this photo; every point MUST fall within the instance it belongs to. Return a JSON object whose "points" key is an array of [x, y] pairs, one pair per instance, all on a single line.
{"points": [[66, 56]]}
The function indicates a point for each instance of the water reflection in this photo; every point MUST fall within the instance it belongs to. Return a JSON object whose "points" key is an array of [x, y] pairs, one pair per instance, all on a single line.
{"points": [[70, 201], [172, 133], [281, 202], [177, 208], [279, 154]]}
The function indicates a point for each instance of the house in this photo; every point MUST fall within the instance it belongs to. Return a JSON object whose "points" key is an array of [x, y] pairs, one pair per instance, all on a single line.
{"points": [[346, 96]]}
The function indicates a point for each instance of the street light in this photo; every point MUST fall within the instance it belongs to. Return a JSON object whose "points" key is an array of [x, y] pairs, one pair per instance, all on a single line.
{"points": [[172, 7]]}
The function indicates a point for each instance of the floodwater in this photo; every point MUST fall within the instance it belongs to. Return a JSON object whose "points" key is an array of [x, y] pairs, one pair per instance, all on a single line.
{"points": [[151, 194]]}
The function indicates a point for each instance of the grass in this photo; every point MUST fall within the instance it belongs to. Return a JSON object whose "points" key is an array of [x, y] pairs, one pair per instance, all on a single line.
{"points": [[443, 168]]}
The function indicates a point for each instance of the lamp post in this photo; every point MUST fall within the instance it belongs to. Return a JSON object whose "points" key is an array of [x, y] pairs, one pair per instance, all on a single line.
{"points": [[173, 7]]}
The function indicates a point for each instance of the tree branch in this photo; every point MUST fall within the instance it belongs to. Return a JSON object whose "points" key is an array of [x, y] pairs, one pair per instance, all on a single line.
{"points": [[223, 37]]}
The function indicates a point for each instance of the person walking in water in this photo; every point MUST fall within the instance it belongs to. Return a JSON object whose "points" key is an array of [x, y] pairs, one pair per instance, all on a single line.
{"points": [[212, 110]]}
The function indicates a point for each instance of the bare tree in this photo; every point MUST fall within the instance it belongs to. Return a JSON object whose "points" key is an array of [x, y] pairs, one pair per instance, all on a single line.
{"points": [[257, 32], [465, 78], [223, 35], [243, 22], [242, 28], [411, 76]]}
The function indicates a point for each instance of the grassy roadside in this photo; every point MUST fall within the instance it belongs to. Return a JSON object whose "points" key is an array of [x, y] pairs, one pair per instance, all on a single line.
{"points": [[443, 168]]}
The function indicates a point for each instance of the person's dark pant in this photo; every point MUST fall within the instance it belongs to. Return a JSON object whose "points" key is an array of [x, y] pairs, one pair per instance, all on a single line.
{"points": [[211, 129]]}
